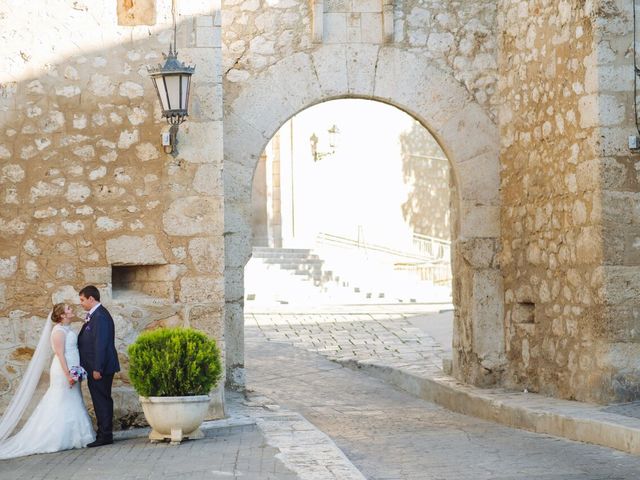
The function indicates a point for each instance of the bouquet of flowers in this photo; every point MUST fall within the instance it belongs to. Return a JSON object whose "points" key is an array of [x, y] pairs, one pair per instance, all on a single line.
{"points": [[78, 373]]}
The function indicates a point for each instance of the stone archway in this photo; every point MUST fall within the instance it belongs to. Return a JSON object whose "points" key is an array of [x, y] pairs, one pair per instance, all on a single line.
{"points": [[465, 132]]}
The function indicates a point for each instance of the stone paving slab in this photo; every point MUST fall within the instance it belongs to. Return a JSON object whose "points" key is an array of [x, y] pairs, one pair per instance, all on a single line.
{"points": [[229, 452], [388, 345], [390, 434], [257, 441]]}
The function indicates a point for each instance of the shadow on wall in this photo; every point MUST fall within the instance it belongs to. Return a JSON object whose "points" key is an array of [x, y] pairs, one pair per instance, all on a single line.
{"points": [[426, 169], [80, 163]]}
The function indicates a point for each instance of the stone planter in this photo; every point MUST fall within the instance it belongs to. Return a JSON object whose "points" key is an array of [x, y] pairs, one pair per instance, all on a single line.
{"points": [[175, 418]]}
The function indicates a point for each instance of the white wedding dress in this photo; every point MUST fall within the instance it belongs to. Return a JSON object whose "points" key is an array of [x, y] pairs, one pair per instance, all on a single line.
{"points": [[60, 421]]}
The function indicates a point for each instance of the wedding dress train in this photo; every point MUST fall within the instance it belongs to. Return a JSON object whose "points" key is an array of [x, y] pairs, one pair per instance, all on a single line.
{"points": [[60, 421]]}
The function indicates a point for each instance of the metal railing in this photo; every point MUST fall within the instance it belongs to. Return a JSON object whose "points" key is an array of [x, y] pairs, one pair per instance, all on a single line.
{"points": [[436, 248], [426, 249]]}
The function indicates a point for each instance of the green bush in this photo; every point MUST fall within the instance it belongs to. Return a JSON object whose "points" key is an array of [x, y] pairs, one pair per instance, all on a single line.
{"points": [[172, 362]]}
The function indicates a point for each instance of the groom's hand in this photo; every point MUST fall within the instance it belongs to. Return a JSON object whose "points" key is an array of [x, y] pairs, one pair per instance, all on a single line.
{"points": [[97, 375]]}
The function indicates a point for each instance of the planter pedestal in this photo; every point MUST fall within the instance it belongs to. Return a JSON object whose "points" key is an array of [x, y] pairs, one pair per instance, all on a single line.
{"points": [[175, 418]]}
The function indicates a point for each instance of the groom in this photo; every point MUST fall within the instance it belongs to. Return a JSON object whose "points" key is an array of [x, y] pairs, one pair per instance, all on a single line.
{"points": [[98, 356]]}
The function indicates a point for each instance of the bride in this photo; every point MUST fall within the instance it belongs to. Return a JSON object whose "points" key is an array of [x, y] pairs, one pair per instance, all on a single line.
{"points": [[60, 421]]}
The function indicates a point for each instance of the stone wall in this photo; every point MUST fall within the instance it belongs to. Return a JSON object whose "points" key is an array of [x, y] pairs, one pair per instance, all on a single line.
{"points": [[437, 63], [569, 189], [458, 37], [88, 196], [545, 242]]}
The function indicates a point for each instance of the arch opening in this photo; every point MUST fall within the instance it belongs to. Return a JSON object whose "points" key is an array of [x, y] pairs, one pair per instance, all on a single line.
{"points": [[468, 137], [350, 205]]}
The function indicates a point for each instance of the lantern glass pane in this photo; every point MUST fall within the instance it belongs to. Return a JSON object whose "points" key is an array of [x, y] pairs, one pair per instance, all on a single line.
{"points": [[162, 93], [173, 91], [185, 91]]}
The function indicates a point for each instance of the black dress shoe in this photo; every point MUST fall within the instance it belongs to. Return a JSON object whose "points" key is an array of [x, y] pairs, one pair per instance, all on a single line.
{"points": [[99, 443]]}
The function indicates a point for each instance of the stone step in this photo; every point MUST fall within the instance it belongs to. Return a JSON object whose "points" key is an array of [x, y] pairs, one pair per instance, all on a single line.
{"points": [[288, 261], [302, 264], [260, 252], [299, 266]]}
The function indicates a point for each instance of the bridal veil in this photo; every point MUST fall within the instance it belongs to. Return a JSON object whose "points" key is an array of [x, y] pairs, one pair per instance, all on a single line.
{"points": [[29, 383]]}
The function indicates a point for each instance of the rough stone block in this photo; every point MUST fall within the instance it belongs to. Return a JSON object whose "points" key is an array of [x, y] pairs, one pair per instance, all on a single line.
{"points": [[371, 27], [208, 319], [237, 181], [132, 250], [264, 117], [8, 266], [330, 62], [190, 216], [202, 289], [366, 5], [621, 285], [65, 293], [361, 60], [201, 142], [478, 130], [237, 247], [208, 178], [335, 28], [236, 215], [207, 255], [478, 179], [234, 335], [589, 246], [479, 252], [430, 94], [479, 221], [208, 68], [488, 317], [617, 323], [295, 74], [588, 175], [610, 140], [205, 37], [96, 275], [620, 207], [243, 144], [234, 284]]}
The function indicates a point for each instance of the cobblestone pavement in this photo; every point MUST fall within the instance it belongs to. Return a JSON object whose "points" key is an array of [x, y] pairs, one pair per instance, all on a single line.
{"points": [[389, 434], [390, 338], [257, 441], [224, 453], [402, 339]]}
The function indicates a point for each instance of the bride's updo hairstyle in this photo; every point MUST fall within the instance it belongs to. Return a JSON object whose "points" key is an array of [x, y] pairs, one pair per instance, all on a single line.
{"points": [[57, 312]]}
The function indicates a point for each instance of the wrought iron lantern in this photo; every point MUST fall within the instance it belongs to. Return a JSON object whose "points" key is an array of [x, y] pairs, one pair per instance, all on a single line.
{"points": [[173, 84], [314, 140]]}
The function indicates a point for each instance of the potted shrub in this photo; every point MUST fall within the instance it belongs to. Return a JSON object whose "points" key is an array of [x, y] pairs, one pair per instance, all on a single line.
{"points": [[173, 370]]}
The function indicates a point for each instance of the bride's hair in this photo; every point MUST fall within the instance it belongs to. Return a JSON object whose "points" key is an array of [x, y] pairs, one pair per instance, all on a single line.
{"points": [[58, 312]]}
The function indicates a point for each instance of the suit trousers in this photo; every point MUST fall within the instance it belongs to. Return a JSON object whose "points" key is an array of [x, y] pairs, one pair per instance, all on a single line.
{"points": [[100, 391]]}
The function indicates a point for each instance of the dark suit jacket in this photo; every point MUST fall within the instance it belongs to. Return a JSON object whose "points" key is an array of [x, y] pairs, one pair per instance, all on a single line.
{"points": [[96, 343]]}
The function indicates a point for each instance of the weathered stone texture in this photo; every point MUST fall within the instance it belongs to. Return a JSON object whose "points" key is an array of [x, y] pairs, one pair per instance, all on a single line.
{"points": [[546, 241], [569, 194], [85, 185], [455, 36], [438, 63]]}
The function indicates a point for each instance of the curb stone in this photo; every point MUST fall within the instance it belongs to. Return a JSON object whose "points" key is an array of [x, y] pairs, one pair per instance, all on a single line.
{"points": [[528, 411]]}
